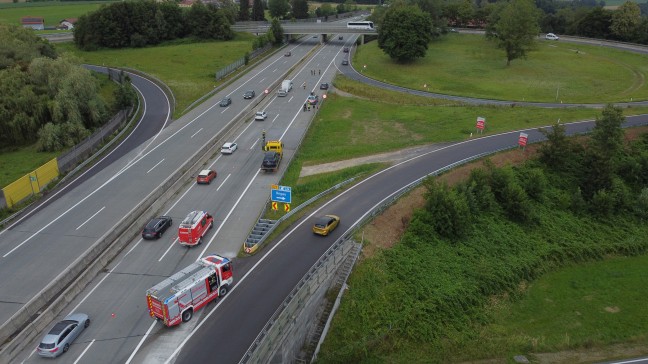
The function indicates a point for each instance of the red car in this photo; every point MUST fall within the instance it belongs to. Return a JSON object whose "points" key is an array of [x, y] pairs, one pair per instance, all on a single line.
{"points": [[206, 176]]}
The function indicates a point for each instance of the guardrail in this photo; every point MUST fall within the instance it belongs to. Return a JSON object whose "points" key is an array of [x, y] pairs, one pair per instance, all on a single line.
{"points": [[274, 330], [30, 321]]}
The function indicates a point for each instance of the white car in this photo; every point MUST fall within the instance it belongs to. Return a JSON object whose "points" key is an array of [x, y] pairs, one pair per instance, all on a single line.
{"points": [[228, 148], [551, 36], [260, 116]]}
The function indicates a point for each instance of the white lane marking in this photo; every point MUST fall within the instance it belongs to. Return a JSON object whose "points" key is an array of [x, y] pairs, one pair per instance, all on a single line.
{"points": [[225, 109], [101, 160], [130, 164], [290, 99], [148, 332], [222, 183], [157, 164], [275, 118], [168, 249], [263, 79], [202, 253], [255, 143], [194, 134], [90, 218], [84, 351], [275, 70]]}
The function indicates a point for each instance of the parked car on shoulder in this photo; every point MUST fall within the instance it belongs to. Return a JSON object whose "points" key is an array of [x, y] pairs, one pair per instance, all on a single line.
{"points": [[260, 116], [345, 62], [551, 36], [156, 227], [324, 86], [58, 340], [325, 224], [228, 148], [345, 50], [313, 99], [248, 94]]}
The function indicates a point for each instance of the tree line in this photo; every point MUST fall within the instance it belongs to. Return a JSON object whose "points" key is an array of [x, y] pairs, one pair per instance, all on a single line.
{"points": [[47, 98], [142, 23], [407, 26]]}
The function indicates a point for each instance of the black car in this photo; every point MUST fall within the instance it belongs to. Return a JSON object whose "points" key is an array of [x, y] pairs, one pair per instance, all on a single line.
{"points": [[345, 50], [345, 62], [156, 227], [324, 86], [226, 101], [340, 37], [248, 94]]}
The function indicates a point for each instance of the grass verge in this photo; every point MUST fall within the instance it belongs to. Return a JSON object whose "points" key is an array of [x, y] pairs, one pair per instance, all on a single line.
{"points": [[189, 69], [470, 65]]}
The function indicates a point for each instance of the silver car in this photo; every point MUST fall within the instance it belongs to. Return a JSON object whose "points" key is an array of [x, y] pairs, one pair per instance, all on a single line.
{"points": [[60, 337]]}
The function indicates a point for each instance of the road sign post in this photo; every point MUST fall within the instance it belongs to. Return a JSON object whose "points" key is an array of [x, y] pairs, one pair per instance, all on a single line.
{"points": [[281, 194]]}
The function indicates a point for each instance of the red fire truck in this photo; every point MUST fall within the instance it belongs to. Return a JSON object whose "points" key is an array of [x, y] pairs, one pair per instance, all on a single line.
{"points": [[194, 227], [176, 298]]}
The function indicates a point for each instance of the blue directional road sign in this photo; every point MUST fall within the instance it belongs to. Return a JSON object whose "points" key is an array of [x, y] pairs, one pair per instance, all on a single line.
{"points": [[281, 194]]}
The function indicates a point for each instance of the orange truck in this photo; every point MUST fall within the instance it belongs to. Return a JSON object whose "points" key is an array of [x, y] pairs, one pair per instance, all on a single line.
{"points": [[175, 299]]}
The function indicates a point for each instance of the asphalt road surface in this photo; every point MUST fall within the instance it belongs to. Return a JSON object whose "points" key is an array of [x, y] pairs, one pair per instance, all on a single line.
{"points": [[122, 331]]}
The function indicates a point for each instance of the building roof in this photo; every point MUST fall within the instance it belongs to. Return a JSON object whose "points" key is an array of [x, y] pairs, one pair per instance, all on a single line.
{"points": [[32, 20], [70, 20]]}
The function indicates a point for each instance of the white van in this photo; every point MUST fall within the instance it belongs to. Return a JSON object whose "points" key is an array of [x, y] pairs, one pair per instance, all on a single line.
{"points": [[286, 86]]}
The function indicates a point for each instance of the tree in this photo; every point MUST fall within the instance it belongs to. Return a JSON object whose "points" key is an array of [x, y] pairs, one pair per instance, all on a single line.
{"points": [[277, 31], [447, 210], [278, 8], [626, 21], [607, 135], [300, 9], [405, 33], [257, 11], [595, 24], [514, 26], [244, 10]]}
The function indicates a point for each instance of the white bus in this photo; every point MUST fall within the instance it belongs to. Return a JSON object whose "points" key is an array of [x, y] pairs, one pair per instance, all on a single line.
{"points": [[360, 25]]}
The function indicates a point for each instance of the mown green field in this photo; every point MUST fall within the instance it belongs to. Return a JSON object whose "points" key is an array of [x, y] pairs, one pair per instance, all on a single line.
{"points": [[53, 12], [188, 69], [362, 127], [470, 65]]}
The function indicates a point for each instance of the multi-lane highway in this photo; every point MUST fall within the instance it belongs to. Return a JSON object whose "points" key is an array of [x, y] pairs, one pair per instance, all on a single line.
{"points": [[121, 330], [115, 300]]}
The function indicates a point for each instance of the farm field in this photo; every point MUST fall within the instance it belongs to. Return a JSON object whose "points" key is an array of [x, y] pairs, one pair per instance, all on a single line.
{"points": [[53, 12]]}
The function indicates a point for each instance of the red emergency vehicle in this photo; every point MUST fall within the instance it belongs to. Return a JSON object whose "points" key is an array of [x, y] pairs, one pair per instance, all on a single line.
{"points": [[175, 299], [194, 227]]}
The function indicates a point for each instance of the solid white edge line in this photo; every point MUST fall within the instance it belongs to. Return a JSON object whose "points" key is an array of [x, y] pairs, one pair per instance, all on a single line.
{"points": [[202, 253]]}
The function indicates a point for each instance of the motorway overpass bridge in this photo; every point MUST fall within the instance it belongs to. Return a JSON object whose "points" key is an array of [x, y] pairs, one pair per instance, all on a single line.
{"points": [[321, 29]]}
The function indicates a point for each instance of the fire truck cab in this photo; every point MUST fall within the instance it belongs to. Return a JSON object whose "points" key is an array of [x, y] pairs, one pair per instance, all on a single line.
{"points": [[194, 227], [175, 299]]}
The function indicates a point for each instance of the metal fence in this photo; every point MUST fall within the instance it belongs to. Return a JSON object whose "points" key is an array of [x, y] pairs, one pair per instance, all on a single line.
{"points": [[81, 151], [232, 67], [273, 333]]}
